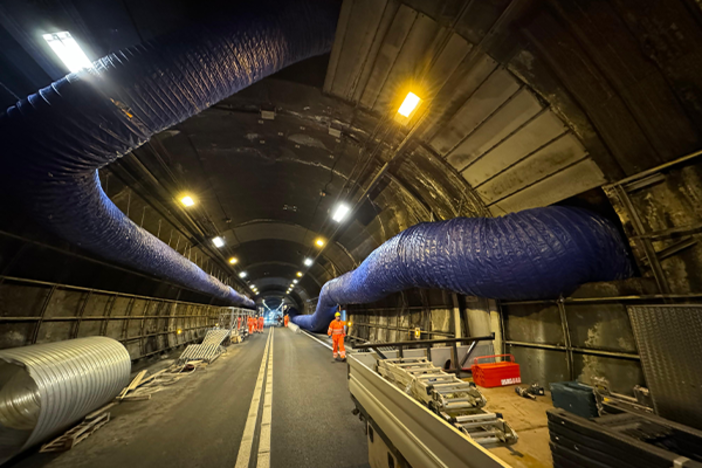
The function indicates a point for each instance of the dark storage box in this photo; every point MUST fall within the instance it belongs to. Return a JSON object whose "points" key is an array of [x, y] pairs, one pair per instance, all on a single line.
{"points": [[575, 398]]}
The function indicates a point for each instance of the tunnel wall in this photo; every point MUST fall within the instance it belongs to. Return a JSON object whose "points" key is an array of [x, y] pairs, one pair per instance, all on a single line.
{"points": [[58, 138], [37, 312]]}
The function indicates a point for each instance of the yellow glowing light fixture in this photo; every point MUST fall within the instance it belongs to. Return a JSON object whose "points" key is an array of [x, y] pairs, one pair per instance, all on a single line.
{"points": [[319, 242], [179, 331], [233, 260], [409, 105], [187, 200], [299, 274]]}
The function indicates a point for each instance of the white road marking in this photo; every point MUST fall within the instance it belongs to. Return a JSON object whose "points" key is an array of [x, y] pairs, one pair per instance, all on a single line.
{"points": [[244, 457], [264, 441], [317, 339]]}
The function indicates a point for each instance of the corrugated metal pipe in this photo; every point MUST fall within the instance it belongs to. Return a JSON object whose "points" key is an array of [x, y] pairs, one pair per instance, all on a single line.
{"points": [[55, 140], [533, 254], [45, 388]]}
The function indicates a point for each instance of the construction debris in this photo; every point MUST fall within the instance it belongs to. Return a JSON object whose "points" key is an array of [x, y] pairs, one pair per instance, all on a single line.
{"points": [[100, 411], [143, 386], [76, 435]]}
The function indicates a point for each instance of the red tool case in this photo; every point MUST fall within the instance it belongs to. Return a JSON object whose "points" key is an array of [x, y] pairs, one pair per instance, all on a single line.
{"points": [[496, 374]]}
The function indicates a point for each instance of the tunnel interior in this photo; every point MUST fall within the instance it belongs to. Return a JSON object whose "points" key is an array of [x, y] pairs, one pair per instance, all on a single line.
{"points": [[258, 156]]}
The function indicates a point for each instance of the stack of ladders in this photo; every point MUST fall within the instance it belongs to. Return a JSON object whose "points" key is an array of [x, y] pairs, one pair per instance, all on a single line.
{"points": [[459, 403], [208, 351]]}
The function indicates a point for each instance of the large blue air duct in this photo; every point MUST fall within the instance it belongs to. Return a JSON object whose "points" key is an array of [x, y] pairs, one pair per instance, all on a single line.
{"points": [[534, 254], [54, 141]]}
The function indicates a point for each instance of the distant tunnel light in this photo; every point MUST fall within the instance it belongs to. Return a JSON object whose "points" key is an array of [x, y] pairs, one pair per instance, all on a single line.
{"points": [[308, 262], [409, 105], [218, 242], [319, 242], [243, 274], [299, 274], [233, 260], [341, 212], [68, 50], [187, 201], [294, 281]]}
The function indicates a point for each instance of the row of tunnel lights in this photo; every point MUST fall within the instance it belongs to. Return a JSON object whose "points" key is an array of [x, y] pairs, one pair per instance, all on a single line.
{"points": [[406, 110], [341, 212]]}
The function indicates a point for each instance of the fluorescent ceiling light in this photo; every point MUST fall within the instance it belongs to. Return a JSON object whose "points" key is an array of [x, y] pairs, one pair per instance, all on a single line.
{"points": [[243, 274], [218, 241], [341, 212], [187, 200], [68, 50], [294, 281], [409, 105], [308, 262]]}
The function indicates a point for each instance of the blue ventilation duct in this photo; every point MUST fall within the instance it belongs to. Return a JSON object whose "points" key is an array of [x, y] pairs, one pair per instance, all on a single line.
{"points": [[55, 140], [534, 254]]}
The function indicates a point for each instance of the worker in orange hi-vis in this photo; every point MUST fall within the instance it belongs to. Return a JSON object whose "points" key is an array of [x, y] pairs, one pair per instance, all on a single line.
{"points": [[286, 319], [238, 323], [250, 323], [337, 332], [261, 323]]}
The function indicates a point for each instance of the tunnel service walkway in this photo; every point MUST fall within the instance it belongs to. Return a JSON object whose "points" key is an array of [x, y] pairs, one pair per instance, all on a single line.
{"points": [[201, 421]]}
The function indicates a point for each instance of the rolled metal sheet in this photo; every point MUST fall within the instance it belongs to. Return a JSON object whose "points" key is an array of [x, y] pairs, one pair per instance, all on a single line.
{"points": [[45, 388]]}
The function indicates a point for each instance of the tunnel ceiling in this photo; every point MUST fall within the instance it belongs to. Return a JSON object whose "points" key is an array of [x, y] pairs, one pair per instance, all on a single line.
{"points": [[526, 103]]}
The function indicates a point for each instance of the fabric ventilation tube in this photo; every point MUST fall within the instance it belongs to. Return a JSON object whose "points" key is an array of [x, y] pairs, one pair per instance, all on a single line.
{"points": [[54, 141], [540, 253]]}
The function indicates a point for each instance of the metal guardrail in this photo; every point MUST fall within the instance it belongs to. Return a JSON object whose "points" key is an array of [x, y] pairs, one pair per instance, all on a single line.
{"points": [[180, 328], [427, 344]]}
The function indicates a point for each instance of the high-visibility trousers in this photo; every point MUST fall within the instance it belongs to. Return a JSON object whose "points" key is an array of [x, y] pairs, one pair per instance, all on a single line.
{"points": [[338, 344], [250, 328]]}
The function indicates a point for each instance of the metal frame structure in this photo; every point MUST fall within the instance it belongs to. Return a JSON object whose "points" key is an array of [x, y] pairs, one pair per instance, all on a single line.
{"points": [[161, 316], [427, 345], [567, 347], [621, 190]]}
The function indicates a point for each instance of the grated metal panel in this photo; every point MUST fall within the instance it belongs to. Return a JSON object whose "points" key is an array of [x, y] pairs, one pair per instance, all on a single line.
{"points": [[669, 338]]}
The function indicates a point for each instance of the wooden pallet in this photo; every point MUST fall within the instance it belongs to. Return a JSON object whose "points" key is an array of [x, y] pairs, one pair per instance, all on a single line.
{"points": [[76, 435]]}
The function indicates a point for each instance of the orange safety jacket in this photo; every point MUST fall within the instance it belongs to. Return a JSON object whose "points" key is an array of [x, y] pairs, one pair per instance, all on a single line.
{"points": [[336, 327]]}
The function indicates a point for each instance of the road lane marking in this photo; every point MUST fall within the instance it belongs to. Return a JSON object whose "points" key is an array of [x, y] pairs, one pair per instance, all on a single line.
{"points": [[244, 456], [264, 441], [309, 335]]}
